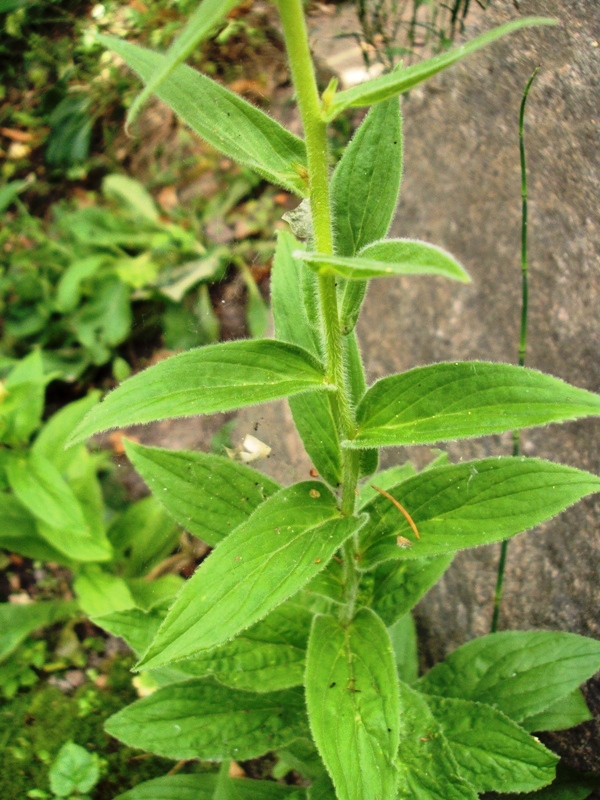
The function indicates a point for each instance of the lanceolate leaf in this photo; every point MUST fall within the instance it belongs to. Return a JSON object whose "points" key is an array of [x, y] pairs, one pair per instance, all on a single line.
{"points": [[465, 505], [200, 719], [398, 586], [385, 479], [19, 533], [208, 14], [209, 495], [565, 713], [353, 708], [518, 672], [218, 377], [203, 786], [390, 257], [222, 118], [427, 767], [366, 181], [312, 413], [464, 399], [285, 543], [492, 752], [401, 80]]}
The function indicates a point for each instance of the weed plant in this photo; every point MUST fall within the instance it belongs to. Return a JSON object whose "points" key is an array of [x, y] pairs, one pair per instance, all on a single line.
{"points": [[295, 634]]}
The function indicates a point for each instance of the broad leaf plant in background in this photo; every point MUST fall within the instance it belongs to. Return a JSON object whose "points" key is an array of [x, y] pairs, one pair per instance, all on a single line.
{"points": [[295, 634]]}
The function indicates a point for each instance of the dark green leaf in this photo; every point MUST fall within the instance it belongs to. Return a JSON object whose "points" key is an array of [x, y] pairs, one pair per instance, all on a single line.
{"points": [[492, 752], [428, 770], [209, 495], [399, 585], [222, 118], [464, 399], [567, 712], [218, 377], [352, 700], [285, 543], [366, 181], [518, 672], [569, 785], [200, 719], [401, 80], [196, 786], [465, 505]]}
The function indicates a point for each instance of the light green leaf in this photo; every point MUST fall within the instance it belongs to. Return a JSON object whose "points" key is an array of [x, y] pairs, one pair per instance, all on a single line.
{"points": [[209, 495], [401, 80], [464, 399], [492, 752], [427, 767], [202, 786], [200, 719], [357, 385], [142, 536], [565, 713], [132, 194], [18, 621], [219, 377], [19, 533], [136, 627], [366, 181], [285, 543], [68, 290], [390, 257], [518, 672], [313, 414], [403, 635], [267, 657], [38, 485], [222, 118], [161, 590], [74, 770], [465, 505], [353, 706], [398, 586], [22, 400], [101, 592], [51, 440], [199, 26]]}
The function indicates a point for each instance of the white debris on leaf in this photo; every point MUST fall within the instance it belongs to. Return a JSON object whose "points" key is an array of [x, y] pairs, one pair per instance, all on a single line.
{"points": [[250, 450]]}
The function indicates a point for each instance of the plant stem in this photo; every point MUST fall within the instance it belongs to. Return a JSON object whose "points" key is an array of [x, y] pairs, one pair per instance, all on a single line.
{"points": [[315, 133], [523, 336]]}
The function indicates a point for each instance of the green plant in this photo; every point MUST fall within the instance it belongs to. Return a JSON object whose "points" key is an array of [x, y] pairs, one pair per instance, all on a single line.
{"points": [[53, 511], [295, 634]]}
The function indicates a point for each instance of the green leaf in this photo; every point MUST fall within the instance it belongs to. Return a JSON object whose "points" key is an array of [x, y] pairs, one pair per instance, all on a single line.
{"points": [[132, 194], [518, 672], [366, 181], [38, 485], [390, 257], [353, 706], [401, 80], [222, 118], [149, 594], [565, 713], [22, 400], [569, 785], [105, 320], [19, 533], [74, 770], [200, 719], [267, 657], [492, 752], [357, 385], [136, 627], [403, 635], [142, 536], [465, 505], [285, 543], [18, 621], [52, 439], [219, 377], [199, 26], [69, 287], [456, 400], [427, 767], [399, 585], [313, 414], [386, 479], [100, 592], [196, 786], [209, 495], [351, 298]]}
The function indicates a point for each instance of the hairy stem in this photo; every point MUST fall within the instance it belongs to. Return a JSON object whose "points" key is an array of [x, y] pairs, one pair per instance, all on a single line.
{"points": [[523, 334]]}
